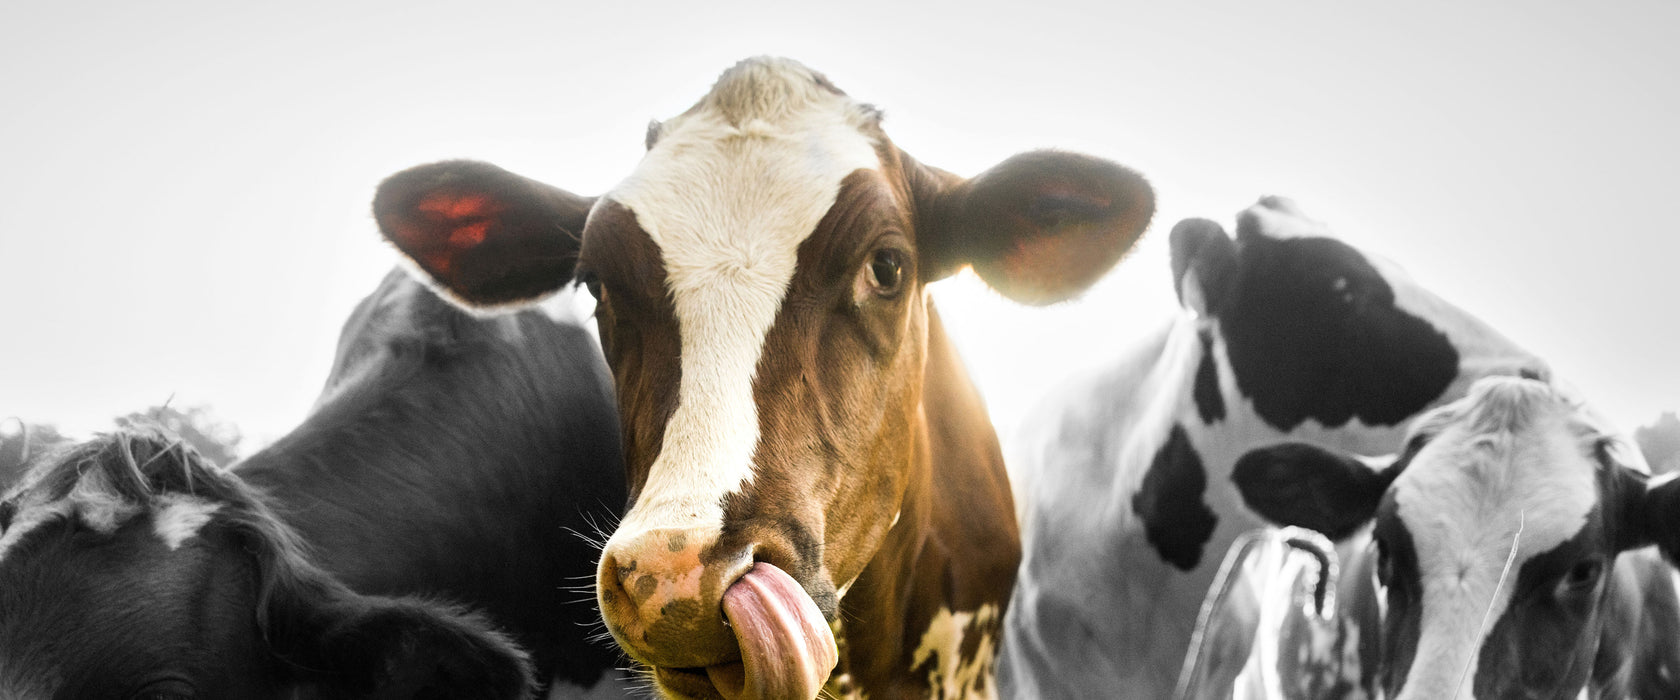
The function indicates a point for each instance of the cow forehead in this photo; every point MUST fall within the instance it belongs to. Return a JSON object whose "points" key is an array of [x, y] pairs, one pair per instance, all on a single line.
{"points": [[728, 193], [1468, 487], [1505, 480]]}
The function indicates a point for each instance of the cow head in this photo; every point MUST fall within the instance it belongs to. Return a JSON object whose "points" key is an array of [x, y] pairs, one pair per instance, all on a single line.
{"points": [[761, 279], [1497, 534], [1298, 336], [1315, 329], [131, 568]]}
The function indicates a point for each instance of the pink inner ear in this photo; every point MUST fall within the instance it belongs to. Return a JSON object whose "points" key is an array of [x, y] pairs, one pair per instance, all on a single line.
{"points": [[450, 205], [468, 235], [467, 217]]}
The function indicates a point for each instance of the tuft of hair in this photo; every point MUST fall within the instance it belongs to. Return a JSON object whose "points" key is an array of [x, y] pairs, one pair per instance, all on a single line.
{"points": [[774, 90], [1507, 405], [114, 476]]}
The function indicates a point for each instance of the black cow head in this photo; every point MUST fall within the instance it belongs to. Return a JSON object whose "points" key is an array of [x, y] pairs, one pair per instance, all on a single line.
{"points": [[131, 568], [1316, 329]]}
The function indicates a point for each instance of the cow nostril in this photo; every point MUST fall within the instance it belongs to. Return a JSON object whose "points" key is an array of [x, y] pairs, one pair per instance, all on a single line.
{"points": [[1534, 373]]}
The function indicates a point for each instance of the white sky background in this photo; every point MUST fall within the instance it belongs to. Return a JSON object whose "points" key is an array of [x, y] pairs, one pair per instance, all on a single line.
{"points": [[184, 187]]}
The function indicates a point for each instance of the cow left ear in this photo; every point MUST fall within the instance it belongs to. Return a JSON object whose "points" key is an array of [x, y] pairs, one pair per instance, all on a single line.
{"points": [[1039, 227], [486, 236], [1308, 486], [1653, 513]]}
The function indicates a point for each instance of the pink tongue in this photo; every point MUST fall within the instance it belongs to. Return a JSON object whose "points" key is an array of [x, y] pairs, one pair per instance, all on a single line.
{"points": [[787, 650]]}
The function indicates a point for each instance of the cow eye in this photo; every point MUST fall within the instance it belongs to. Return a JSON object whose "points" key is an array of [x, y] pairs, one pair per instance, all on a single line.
{"points": [[1581, 577], [172, 689], [886, 272]]}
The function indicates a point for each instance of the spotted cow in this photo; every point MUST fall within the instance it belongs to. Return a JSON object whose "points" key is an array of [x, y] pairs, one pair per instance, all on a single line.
{"points": [[450, 456], [132, 568], [1126, 503], [818, 499], [1513, 553]]}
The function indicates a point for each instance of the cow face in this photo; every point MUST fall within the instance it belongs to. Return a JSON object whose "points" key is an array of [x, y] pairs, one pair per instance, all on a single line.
{"points": [[761, 282], [1315, 329], [1497, 534], [130, 568]]}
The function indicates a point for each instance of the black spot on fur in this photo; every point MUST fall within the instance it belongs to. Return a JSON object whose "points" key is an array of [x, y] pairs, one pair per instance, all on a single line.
{"points": [[1209, 404], [1312, 331], [1176, 521]]}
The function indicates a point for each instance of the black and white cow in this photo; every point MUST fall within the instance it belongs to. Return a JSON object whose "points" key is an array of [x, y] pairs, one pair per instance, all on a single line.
{"points": [[1122, 479], [450, 456], [1512, 554]]}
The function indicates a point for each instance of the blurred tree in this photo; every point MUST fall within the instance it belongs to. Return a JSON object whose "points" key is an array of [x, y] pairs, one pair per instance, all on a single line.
{"points": [[1660, 441], [216, 440]]}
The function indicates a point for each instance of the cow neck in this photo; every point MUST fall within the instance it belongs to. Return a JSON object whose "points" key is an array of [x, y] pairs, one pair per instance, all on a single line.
{"points": [[940, 555], [1155, 390], [347, 449]]}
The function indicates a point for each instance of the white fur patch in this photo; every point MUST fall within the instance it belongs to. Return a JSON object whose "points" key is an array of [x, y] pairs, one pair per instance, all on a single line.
{"points": [[93, 501], [27, 520], [728, 193], [180, 518], [1465, 498], [952, 677]]}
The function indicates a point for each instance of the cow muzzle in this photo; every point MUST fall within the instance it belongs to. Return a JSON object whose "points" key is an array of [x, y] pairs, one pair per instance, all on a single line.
{"points": [[731, 629]]}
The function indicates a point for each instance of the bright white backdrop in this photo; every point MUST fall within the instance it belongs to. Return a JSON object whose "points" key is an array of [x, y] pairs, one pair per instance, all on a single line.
{"points": [[184, 185]]}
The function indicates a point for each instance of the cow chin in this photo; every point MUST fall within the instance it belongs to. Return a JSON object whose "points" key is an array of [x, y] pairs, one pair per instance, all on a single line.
{"points": [[776, 643]]}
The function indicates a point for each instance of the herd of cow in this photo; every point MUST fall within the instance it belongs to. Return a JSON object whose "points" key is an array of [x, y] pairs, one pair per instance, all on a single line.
{"points": [[777, 481]]}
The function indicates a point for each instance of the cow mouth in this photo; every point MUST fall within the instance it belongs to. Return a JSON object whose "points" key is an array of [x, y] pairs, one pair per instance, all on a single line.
{"points": [[787, 649]]}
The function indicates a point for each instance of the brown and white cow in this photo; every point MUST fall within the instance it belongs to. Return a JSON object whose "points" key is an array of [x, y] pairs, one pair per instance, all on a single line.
{"points": [[815, 484], [1512, 554]]}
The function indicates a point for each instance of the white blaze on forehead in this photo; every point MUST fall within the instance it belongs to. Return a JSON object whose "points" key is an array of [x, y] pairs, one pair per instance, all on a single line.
{"points": [[180, 518], [1464, 498], [728, 193]]}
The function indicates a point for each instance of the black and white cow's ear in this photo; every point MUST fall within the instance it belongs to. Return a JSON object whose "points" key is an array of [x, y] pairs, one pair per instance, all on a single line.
{"points": [[349, 645], [1204, 261], [1308, 486], [486, 236], [1039, 227], [1653, 513]]}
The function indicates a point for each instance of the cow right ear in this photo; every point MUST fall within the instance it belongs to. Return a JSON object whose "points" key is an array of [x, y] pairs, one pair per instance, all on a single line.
{"points": [[1307, 486], [1204, 262], [485, 236], [1657, 519]]}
